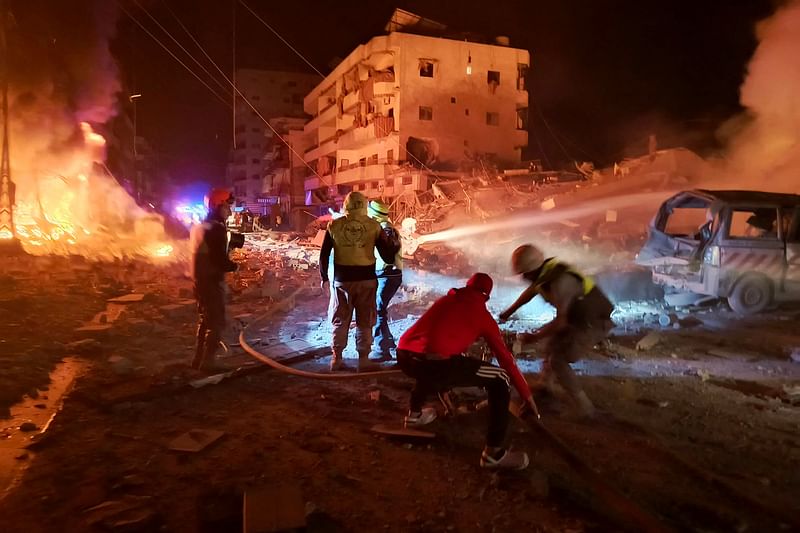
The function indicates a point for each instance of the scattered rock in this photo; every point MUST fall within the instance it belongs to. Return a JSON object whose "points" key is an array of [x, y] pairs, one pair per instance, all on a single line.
{"points": [[121, 366], [649, 341], [88, 347], [28, 426], [374, 395]]}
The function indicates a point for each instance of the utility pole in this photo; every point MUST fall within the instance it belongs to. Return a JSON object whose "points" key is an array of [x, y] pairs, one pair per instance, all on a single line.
{"points": [[9, 243]]}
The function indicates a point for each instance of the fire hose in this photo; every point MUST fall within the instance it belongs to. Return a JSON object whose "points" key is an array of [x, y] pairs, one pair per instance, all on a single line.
{"points": [[294, 371], [610, 496]]}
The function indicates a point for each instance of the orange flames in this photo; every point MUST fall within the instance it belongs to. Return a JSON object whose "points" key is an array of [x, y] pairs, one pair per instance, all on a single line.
{"points": [[79, 208]]}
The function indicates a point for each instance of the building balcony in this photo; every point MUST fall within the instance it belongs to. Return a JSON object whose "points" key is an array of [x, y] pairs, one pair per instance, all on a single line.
{"points": [[325, 116]]}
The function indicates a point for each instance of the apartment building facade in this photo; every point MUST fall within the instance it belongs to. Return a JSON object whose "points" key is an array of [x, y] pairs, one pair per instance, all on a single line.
{"points": [[273, 94], [405, 106]]}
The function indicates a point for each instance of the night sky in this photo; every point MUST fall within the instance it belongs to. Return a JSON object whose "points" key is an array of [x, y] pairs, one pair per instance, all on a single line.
{"points": [[604, 73]]}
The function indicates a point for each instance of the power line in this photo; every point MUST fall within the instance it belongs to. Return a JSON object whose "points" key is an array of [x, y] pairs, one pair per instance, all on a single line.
{"points": [[184, 65], [278, 35], [544, 120], [245, 99], [198, 63]]}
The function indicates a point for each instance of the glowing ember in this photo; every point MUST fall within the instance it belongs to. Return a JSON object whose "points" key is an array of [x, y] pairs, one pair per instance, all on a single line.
{"points": [[163, 251]]}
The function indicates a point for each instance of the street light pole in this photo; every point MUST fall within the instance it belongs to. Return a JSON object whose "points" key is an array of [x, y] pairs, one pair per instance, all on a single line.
{"points": [[136, 181], [9, 243]]}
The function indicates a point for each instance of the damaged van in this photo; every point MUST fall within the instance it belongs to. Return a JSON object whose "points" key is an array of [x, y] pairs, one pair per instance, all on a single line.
{"points": [[743, 246]]}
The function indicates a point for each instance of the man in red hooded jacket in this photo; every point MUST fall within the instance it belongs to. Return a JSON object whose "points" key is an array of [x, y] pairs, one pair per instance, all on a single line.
{"points": [[431, 351]]}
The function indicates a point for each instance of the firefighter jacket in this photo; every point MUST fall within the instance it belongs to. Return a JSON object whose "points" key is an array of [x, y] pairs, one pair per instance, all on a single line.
{"points": [[384, 269], [590, 306], [353, 239], [209, 246]]}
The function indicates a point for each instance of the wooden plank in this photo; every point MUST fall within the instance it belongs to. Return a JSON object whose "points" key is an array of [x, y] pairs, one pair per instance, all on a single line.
{"points": [[401, 432], [195, 440], [274, 509]]}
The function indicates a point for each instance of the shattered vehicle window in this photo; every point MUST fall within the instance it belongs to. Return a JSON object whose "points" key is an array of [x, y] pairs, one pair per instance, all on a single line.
{"points": [[686, 222], [754, 224]]}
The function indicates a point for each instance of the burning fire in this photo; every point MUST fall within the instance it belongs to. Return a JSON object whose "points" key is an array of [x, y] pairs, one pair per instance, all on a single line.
{"points": [[80, 208]]}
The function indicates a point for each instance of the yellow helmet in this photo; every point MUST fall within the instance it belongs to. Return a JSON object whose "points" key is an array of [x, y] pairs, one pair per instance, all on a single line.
{"points": [[378, 210], [526, 258]]}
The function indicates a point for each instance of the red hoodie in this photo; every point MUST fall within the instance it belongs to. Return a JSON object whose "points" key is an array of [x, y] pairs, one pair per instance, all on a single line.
{"points": [[453, 323]]}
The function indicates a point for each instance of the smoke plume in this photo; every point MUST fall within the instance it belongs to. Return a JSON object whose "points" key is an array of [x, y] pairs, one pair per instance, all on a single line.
{"points": [[764, 143], [63, 88]]}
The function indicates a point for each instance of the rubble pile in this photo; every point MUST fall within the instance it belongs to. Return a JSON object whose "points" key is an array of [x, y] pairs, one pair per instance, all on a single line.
{"points": [[269, 265]]}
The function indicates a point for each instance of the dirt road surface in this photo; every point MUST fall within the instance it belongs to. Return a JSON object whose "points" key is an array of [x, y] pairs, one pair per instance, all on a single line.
{"points": [[700, 429]]}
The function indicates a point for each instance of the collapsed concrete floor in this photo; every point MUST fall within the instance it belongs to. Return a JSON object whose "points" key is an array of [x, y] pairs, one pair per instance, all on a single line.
{"points": [[694, 426]]}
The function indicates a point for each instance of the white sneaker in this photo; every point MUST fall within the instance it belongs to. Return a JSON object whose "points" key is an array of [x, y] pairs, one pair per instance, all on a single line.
{"points": [[505, 460], [424, 417]]}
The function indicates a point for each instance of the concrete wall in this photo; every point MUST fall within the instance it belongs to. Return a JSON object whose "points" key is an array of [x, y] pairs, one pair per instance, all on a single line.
{"points": [[460, 101]]}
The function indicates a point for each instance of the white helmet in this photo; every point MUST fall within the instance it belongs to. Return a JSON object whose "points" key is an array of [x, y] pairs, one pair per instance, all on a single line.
{"points": [[526, 258]]}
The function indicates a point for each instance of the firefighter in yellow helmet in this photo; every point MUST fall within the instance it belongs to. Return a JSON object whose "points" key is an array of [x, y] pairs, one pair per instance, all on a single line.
{"points": [[352, 239], [583, 317], [390, 277], [210, 262]]}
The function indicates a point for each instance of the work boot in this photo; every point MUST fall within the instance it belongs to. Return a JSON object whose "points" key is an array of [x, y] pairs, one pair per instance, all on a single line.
{"points": [[420, 418], [366, 365], [336, 362], [502, 459], [378, 357]]}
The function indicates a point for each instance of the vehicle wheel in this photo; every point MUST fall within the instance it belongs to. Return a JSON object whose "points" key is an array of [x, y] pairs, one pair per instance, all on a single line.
{"points": [[751, 295]]}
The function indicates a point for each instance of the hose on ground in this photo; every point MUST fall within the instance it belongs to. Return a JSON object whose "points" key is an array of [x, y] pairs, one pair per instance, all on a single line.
{"points": [[294, 371]]}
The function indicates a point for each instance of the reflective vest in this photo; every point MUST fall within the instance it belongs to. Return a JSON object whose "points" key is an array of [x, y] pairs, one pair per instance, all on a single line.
{"points": [[551, 269], [354, 238]]}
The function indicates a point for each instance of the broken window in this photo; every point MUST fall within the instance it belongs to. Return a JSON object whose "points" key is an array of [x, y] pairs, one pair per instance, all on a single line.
{"points": [[389, 156], [373, 159], [466, 111], [425, 68], [407, 180], [522, 70], [493, 79], [362, 162], [344, 163], [452, 99], [425, 113], [686, 221], [756, 223], [374, 184], [492, 119], [522, 118]]}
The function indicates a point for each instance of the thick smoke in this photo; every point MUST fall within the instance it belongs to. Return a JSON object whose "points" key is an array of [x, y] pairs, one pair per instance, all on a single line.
{"points": [[64, 86], [764, 144]]}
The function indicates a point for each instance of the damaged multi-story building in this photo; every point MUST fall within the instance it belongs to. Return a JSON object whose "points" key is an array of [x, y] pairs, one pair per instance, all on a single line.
{"points": [[417, 103], [253, 156]]}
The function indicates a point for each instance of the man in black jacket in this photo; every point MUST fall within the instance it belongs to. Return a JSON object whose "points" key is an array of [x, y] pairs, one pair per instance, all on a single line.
{"points": [[210, 262]]}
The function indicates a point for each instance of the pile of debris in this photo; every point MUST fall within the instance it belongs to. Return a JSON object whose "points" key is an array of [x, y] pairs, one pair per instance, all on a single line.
{"points": [[267, 264]]}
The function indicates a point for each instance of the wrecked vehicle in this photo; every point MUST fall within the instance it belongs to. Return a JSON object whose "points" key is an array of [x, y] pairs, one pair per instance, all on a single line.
{"points": [[740, 245]]}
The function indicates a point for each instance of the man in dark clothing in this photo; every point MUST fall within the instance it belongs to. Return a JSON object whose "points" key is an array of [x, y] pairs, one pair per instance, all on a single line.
{"points": [[583, 318], [390, 277], [353, 239], [431, 351], [210, 262]]}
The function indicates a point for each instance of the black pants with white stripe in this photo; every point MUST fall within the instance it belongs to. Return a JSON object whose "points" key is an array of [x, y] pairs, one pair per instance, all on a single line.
{"points": [[440, 375]]}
